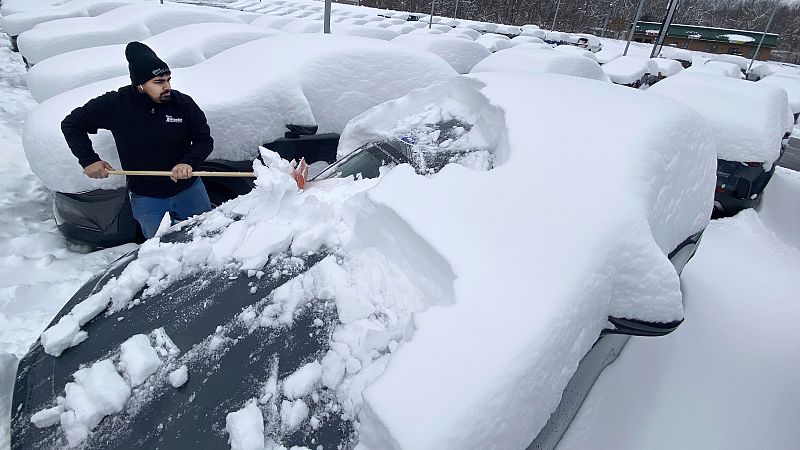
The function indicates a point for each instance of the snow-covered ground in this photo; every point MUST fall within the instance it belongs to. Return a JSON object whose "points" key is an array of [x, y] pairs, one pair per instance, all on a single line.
{"points": [[39, 270]]}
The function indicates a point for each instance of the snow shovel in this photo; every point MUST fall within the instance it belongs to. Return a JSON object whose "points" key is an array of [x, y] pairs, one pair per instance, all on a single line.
{"points": [[166, 173]]}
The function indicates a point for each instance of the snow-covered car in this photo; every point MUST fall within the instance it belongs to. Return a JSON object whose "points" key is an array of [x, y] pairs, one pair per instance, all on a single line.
{"points": [[461, 54], [278, 81], [792, 87], [118, 26], [720, 68], [522, 58], [179, 47], [750, 121], [632, 71], [419, 293], [14, 24]]}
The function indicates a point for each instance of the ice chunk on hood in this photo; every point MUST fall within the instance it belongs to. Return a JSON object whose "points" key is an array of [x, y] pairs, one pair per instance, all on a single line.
{"points": [[179, 47], [541, 61], [118, 26], [748, 119], [538, 279], [288, 79]]}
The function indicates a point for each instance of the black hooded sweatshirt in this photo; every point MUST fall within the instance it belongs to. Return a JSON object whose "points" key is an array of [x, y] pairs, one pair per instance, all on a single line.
{"points": [[149, 136]]}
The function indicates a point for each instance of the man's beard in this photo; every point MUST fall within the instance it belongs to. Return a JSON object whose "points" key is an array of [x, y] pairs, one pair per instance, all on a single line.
{"points": [[165, 97]]}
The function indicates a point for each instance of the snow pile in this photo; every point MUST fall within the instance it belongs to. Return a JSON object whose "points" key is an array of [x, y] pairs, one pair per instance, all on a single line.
{"points": [[576, 51], [521, 59], [740, 61], [100, 390], [789, 84], [179, 47], [545, 315], [779, 209], [607, 54], [291, 79], [749, 119], [15, 24], [461, 54], [366, 31], [630, 69], [541, 34], [118, 26], [720, 68], [460, 31]]}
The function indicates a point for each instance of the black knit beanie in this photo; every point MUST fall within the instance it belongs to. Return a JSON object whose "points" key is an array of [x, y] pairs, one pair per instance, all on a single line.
{"points": [[143, 63]]}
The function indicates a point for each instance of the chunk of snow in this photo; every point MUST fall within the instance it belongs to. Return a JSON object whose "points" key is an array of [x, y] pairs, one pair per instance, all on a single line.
{"points": [[300, 383], [64, 334], [97, 391], [749, 119], [138, 359], [293, 414], [245, 428], [47, 417]]}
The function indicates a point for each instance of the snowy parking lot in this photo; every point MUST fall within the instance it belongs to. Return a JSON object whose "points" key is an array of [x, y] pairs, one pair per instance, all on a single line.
{"points": [[415, 327]]}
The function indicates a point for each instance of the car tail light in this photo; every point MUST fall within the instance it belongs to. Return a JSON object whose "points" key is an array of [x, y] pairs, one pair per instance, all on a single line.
{"points": [[719, 189]]}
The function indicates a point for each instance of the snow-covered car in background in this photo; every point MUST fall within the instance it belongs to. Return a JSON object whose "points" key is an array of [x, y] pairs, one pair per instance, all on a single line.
{"points": [[461, 54], [278, 81], [420, 293], [179, 47], [789, 84], [118, 26], [632, 71], [522, 58], [751, 122], [16, 23]]}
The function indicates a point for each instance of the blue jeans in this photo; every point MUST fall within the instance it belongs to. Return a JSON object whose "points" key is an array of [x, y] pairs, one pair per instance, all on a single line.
{"points": [[149, 211]]}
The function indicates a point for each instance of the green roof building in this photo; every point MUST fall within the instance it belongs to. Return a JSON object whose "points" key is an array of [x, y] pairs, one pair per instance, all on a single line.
{"points": [[709, 39]]}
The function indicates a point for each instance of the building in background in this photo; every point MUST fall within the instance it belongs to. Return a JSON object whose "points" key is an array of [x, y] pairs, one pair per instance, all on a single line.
{"points": [[709, 39]]}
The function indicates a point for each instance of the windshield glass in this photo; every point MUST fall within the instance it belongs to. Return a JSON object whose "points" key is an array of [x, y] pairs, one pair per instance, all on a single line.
{"points": [[365, 162]]}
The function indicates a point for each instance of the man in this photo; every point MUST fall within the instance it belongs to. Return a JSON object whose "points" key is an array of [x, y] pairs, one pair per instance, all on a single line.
{"points": [[155, 128]]}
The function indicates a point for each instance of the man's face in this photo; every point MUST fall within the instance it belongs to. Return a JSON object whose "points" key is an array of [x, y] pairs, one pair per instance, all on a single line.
{"points": [[158, 88]]}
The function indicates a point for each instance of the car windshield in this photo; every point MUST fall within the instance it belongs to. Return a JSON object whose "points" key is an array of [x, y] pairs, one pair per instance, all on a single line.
{"points": [[364, 162]]}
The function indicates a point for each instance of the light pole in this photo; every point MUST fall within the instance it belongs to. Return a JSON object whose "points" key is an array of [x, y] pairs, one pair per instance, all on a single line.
{"points": [[633, 26], [430, 20], [662, 34], [553, 27], [455, 14], [326, 23], [763, 35]]}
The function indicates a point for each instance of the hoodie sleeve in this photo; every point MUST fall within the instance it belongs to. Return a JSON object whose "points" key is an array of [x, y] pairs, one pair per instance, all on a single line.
{"points": [[85, 120], [199, 133]]}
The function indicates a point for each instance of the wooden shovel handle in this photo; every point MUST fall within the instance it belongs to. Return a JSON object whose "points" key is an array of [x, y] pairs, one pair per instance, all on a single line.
{"points": [[165, 173]]}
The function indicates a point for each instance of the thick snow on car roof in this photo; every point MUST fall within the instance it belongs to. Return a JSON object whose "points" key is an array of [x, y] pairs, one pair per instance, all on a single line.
{"points": [[629, 69], [461, 54], [523, 59], [789, 84], [15, 24], [749, 119], [535, 275], [721, 68], [268, 83], [179, 47], [668, 67], [118, 26], [566, 48]]}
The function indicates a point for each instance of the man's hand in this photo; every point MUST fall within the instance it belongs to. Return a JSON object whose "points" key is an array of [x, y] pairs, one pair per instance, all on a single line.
{"points": [[97, 169], [181, 172]]}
